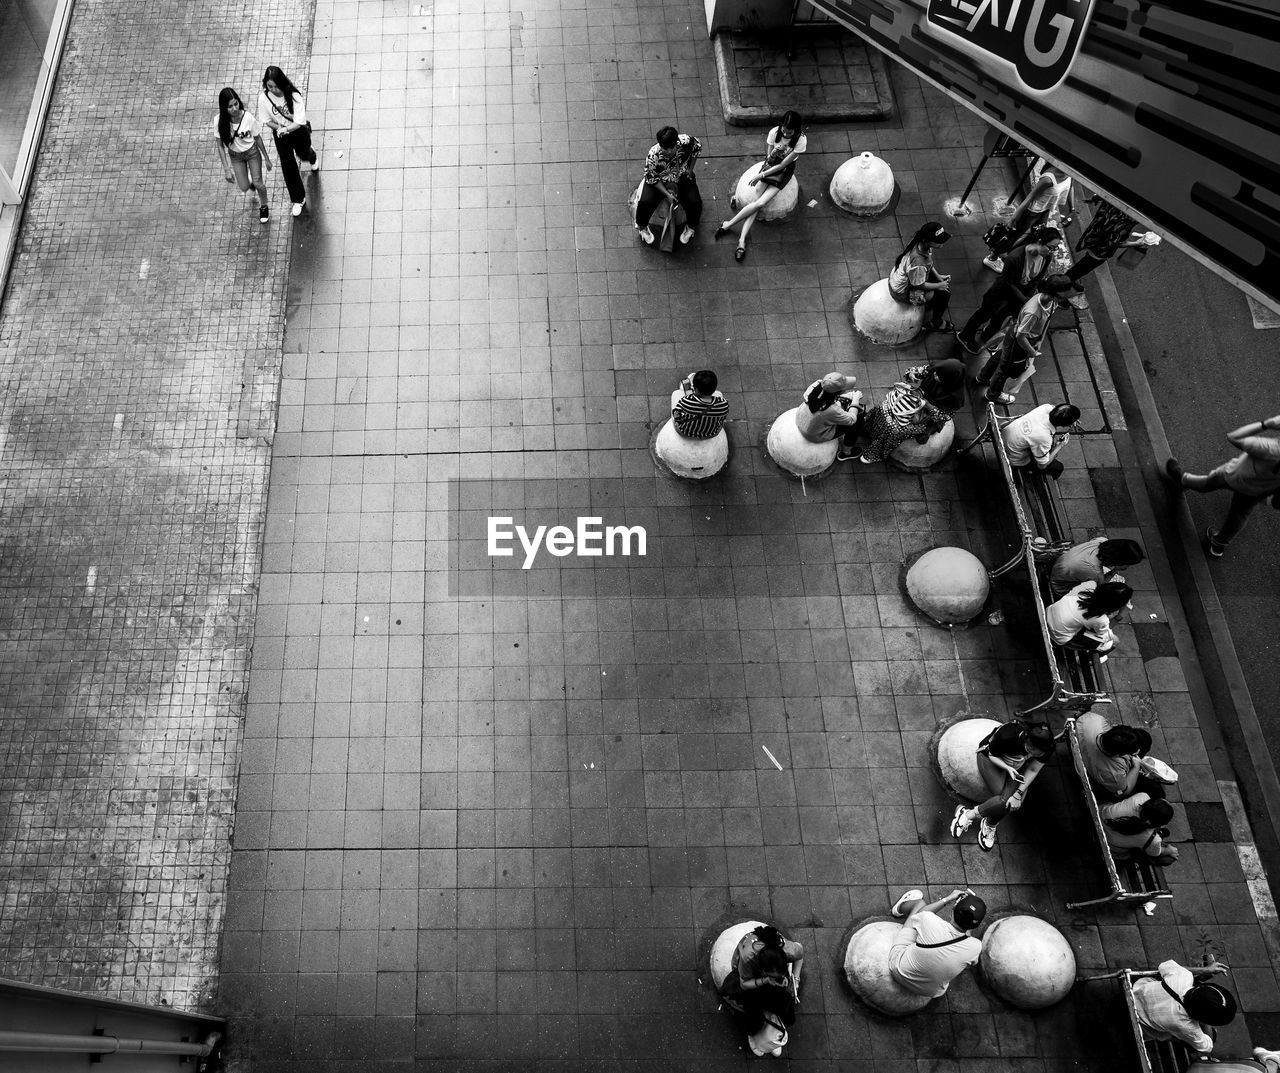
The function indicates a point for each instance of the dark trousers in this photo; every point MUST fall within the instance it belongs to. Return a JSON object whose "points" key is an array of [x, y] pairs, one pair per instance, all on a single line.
{"points": [[1004, 363], [937, 304], [1085, 264], [687, 193], [998, 304], [290, 148], [1053, 469], [1237, 511]]}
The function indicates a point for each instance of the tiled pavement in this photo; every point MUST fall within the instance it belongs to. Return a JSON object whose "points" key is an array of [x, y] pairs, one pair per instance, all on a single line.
{"points": [[498, 831]]}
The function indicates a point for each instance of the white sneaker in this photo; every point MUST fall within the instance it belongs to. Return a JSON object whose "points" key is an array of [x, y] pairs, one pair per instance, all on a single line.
{"points": [[986, 835], [960, 822], [910, 896], [297, 208], [996, 264], [686, 235], [646, 236], [316, 165]]}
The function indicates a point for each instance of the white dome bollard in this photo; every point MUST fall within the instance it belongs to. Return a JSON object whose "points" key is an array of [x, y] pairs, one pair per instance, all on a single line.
{"points": [[768, 1040], [950, 585], [782, 204], [957, 752], [866, 967], [790, 450], [918, 457], [879, 316], [1027, 962], [695, 460], [863, 185]]}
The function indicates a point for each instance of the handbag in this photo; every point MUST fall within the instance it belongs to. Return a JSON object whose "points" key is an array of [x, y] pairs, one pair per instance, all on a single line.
{"points": [[998, 237]]}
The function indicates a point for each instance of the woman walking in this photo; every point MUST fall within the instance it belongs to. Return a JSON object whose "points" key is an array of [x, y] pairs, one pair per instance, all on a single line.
{"points": [[785, 144], [916, 281], [238, 136], [283, 110], [919, 405]]}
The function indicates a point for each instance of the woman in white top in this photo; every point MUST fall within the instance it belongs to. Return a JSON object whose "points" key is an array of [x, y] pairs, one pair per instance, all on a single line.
{"points": [[1082, 618], [283, 110], [238, 136], [785, 143]]}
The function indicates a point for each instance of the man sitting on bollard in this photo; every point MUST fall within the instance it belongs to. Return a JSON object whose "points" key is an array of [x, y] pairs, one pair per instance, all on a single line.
{"points": [[668, 173], [1115, 758], [1037, 436], [698, 410], [1099, 559], [1176, 1007], [832, 407], [929, 953]]}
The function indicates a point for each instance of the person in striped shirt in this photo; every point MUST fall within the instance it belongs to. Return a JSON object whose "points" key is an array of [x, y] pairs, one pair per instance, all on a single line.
{"points": [[698, 410]]}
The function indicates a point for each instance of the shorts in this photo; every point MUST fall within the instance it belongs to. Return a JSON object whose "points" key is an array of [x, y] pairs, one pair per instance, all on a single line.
{"points": [[248, 154]]}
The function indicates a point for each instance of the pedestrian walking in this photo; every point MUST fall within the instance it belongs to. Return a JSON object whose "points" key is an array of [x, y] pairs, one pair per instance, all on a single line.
{"points": [[1251, 477], [283, 110], [915, 279], [238, 136], [1015, 349], [1110, 231], [784, 144], [668, 173], [919, 405], [1042, 205], [1023, 270]]}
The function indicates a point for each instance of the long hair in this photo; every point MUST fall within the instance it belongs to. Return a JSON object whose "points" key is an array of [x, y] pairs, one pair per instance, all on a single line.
{"points": [[791, 121], [921, 234], [224, 121], [769, 935], [274, 74], [1104, 599]]}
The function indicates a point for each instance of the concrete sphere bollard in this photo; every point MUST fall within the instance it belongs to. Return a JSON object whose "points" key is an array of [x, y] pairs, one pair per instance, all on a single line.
{"points": [[879, 316], [958, 758], [793, 452], [780, 206], [724, 946], [863, 185], [695, 460], [1027, 961], [918, 457], [866, 967], [950, 585]]}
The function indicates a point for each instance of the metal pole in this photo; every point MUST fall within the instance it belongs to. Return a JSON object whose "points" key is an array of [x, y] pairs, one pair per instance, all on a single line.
{"points": [[71, 1044], [972, 182]]}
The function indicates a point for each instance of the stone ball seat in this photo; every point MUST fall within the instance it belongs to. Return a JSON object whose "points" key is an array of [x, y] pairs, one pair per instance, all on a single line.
{"points": [[884, 320], [780, 206], [1027, 962], [766, 1041], [695, 460], [866, 967], [919, 457], [950, 585], [957, 755], [863, 185], [790, 450]]}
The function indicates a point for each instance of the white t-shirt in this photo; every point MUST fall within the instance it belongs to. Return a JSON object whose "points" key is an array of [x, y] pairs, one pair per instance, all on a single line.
{"points": [[928, 953], [1065, 618], [242, 135], [1031, 437], [275, 112], [776, 143]]}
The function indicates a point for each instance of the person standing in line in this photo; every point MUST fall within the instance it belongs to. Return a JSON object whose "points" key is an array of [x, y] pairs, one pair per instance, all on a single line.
{"points": [[1023, 270], [283, 109], [238, 136], [698, 410], [832, 407], [915, 280], [668, 173], [1015, 353], [784, 143], [1048, 194], [1251, 476]]}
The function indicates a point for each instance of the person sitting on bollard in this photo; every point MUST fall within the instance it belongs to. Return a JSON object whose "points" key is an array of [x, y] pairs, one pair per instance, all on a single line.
{"points": [[832, 407], [1082, 618], [1015, 348], [1023, 269], [784, 144], [698, 410], [919, 405], [668, 173], [1135, 827], [915, 280], [928, 953], [1177, 1007], [1038, 435], [765, 977], [1009, 759], [1100, 559], [1116, 761]]}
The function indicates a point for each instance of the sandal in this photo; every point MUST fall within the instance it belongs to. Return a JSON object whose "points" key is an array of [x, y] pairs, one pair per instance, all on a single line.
{"points": [[740, 253], [721, 230]]}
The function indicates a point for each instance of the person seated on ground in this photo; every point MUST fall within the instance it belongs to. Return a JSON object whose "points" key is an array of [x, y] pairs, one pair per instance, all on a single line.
{"points": [[915, 280], [1177, 1007], [832, 407], [1015, 348], [1113, 757], [1082, 618], [668, 173], [764, 977], [919, 405], [1136, 827], [1009, 759], [784, 144], [928, 953], [1023, 270], [1100, 559], [698, 410], [1038, 435]]}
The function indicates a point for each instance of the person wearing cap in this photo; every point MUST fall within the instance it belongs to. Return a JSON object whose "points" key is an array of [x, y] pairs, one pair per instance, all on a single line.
{"points": [[1137, 827], [915, 280], [1176, 1007], [1112, 755], [928, 953], [919, 405], [1035, 438], [1023, 270], [1014, 351], [1009, 759], [698, 410], [832, 407], [1100, 559]]}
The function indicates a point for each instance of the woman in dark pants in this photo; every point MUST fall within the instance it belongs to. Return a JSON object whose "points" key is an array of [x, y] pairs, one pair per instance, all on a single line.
{"points": [[281, 107], [1023, 269]]}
